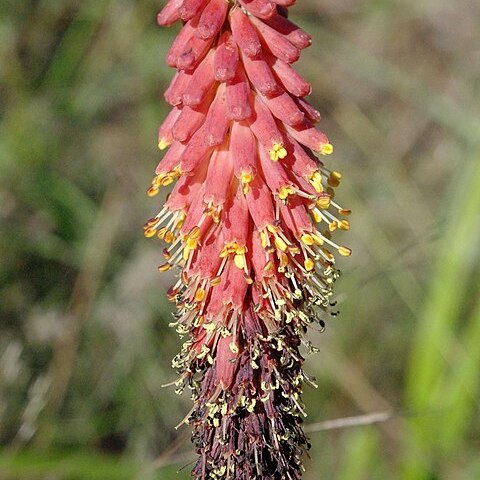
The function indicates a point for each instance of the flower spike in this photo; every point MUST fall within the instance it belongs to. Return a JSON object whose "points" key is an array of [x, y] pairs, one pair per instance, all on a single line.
{"points": [[248, 227]]}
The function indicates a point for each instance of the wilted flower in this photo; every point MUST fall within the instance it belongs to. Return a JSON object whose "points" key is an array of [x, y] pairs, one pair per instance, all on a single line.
{"points": [[249, 225]]}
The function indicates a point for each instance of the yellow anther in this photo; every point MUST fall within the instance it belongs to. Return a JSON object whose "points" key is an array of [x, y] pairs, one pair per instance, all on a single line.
{"points": [[150, 232], [239, 261], [163, 144], [233, 347], [186, 252], [324, 202], [164, 268], [215, 214], [283, 260], [246, 178], [268, 266], [344, 225], [316, 215], [194, 233], [316, 181], [200, 295], [271, 228], [326, 148], [209, 327], [152, 191], [332, 226], [278, 151], [191, 243], [307, 239], [344, 251], [162, 232], [240, 250], [280, 243], [285, 191], [169, 237], [334, 179], [328, 254], [157, 181], [167, 180], [215, 281], [309, 264], [282, 153], [264, 239], [318, 240], [251, 407]]}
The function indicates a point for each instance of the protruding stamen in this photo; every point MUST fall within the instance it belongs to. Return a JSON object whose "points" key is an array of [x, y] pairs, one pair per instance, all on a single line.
{"points": [[163, 144], [309, 264], [344, 251], [326, 149]]}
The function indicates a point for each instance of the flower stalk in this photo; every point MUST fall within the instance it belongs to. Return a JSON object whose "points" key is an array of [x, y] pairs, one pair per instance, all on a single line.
{"points": [[249, 226]]}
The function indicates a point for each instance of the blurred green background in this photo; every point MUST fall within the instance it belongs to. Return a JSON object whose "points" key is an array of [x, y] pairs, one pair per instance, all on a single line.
{"points": [[84, 341]]}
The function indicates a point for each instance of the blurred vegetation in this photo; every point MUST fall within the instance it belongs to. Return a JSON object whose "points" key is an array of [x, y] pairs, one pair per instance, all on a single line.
{"points": [[84, 343]]}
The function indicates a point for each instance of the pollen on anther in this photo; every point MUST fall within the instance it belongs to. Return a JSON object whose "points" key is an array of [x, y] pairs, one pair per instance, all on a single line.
{"points": [[246, 178], [264, 239], [284, 192], [152, 191], [150, 232], [324, 201], [200, 295], [268, 266], [278, 151], [239, 261], [281, 245], [326, 149], [344, 251], [163, 144], [309, 264], [334, 179], [316, 181], [307, 239]]}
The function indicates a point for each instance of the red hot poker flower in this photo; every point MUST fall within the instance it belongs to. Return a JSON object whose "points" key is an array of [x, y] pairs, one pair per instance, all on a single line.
{"points": [[249, 225]]}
